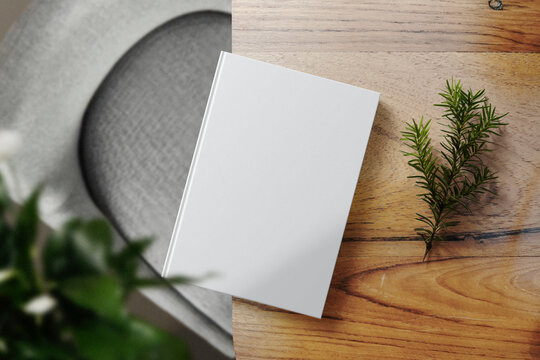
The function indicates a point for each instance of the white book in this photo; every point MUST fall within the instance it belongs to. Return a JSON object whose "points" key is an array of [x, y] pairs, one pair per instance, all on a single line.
{"points": [[271, 184]]}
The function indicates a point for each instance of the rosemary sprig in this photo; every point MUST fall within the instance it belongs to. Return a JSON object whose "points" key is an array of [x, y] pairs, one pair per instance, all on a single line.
{"points": [[451, 182]]}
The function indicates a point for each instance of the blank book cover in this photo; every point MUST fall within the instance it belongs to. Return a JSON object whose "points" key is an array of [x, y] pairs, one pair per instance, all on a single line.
{"points": [[271, 184]]}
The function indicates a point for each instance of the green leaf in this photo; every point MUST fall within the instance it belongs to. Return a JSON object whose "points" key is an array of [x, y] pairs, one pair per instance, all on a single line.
{"points": [[7, 250], [158, 281], [56, 255], [170, 348], [101, 294], [34, 349], [126, 261], [4, 196], [24, 239], [99, 340], [67, 253], [158, 344], [12, 288], [91, 245], [128, 340], [98, 231], [79, 248]]}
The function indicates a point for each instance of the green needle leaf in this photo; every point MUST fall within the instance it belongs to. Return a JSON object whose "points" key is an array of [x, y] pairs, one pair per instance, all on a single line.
{"points": [[452, 183]]}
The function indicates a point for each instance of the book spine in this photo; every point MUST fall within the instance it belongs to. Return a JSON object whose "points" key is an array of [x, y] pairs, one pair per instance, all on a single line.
{"points": [[200, 139]]}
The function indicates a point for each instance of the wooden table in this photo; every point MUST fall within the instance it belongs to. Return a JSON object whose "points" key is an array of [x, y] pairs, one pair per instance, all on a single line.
{"points": [[478, 296]]}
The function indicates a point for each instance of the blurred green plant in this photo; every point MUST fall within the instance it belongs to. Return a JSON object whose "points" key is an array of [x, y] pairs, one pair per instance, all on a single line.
{"points": [[64, 298]]}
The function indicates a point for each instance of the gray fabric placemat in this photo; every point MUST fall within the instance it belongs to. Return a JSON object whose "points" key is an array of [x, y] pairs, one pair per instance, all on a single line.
{"points": [[140, 131]]}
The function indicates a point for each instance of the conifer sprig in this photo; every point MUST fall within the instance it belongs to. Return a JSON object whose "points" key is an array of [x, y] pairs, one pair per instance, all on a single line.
{"points": [[450, 183]]}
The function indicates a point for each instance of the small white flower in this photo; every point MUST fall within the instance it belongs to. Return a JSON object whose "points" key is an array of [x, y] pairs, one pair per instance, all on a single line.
{"points": [[6, 275], [40, 305], [10, 142]]}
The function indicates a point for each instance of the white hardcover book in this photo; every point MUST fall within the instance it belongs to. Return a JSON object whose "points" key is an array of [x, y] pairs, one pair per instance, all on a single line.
{"points": [[271, 184]]}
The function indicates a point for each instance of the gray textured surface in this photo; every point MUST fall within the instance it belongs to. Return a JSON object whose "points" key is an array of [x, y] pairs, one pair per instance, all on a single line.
{"points": [[51, 64], [140, 131]]}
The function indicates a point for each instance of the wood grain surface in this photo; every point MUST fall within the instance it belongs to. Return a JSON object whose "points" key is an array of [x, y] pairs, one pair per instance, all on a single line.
{"points": [[392, 25], [478, 296]]}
